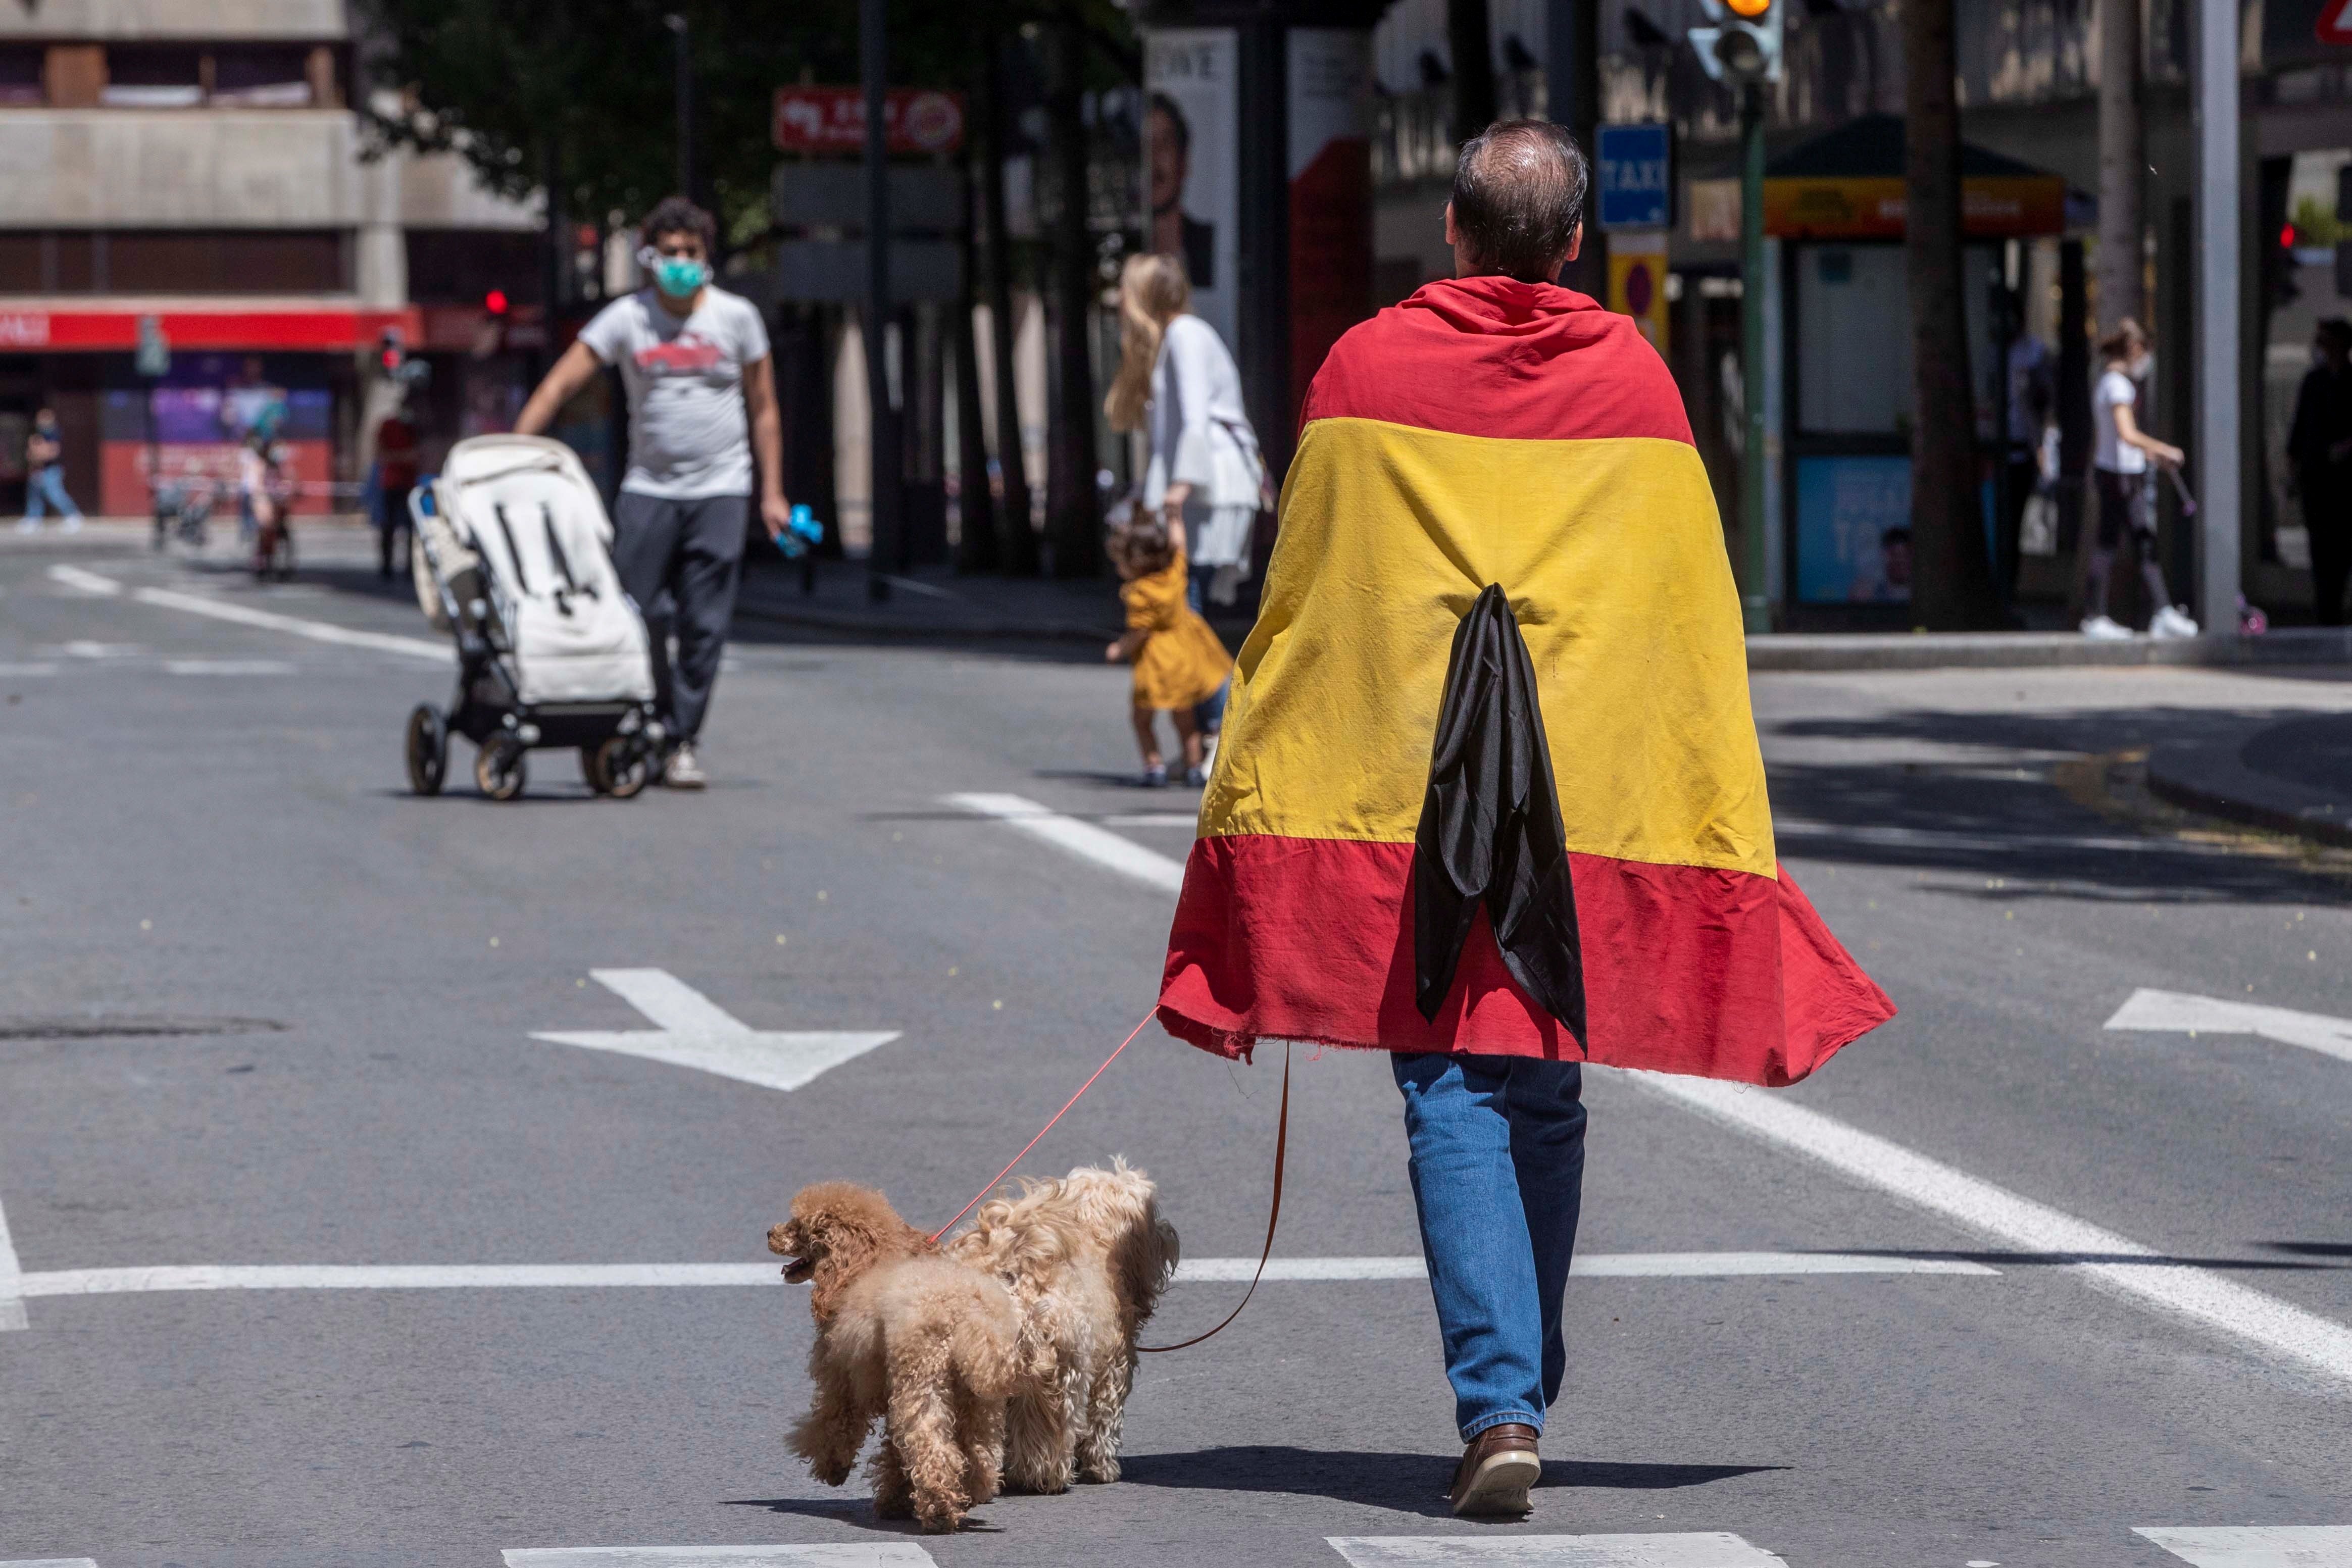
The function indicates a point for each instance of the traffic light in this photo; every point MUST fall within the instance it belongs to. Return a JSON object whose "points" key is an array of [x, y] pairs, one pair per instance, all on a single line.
{"points": [[1744, 45], [392, 352], [495, 302]]}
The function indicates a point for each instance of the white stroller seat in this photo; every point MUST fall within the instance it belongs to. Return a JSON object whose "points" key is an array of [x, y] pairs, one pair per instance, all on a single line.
{"points": [[526, 507]]}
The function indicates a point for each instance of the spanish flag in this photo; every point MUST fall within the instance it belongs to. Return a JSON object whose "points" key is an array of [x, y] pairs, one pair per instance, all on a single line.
{"points": [[1493, 433]]}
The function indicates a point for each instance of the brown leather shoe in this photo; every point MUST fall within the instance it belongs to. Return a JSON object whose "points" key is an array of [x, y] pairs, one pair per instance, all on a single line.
{"points": [[1497, 1470]]}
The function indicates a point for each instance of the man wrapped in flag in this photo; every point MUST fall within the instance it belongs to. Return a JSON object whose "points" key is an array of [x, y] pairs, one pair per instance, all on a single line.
{"points": [[1490, 797]]}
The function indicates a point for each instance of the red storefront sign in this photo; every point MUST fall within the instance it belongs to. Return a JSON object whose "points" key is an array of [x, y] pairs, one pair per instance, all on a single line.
{"points": [[2334, 22], [98, 329], [832, 119]]}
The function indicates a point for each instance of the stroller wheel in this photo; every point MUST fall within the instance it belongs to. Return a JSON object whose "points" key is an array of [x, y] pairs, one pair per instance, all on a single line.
{"points": [[590, 772], [429, 750], [619, 767], [499, 770]]}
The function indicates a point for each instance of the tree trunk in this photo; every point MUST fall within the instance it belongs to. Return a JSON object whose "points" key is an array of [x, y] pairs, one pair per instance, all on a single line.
{"points": [[1951, 581], [2123, 166], [1073, 513], [1470, 40], [1016, 535], [1573, 90], [975, 512]]}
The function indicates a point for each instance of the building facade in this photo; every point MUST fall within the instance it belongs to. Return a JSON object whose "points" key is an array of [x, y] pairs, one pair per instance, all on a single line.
{"points": [[196, 171]]}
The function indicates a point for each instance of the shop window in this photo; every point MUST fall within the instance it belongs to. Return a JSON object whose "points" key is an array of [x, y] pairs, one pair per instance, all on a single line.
{"points": [[153, 75], [462, 267], [274, 261], [24, 71], [20, 264], [262, 76]]}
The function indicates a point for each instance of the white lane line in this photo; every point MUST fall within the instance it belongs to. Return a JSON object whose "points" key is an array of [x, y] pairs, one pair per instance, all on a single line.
{"points": [[12, 1281], [34, 669], [1083, 840], [1708, 1549], [228, 667], [2196, 1294], [1946, 839], [1187, 819], [696, 1032], [83, 648], [2178, 1012], [2258, 1545], [837, 1555], [270, 621], [160, 1278], [47, 1562], [82, 581]]}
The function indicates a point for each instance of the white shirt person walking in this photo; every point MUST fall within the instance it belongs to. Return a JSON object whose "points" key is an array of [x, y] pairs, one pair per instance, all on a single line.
{"points": [[694, 361], [1178, 384]]}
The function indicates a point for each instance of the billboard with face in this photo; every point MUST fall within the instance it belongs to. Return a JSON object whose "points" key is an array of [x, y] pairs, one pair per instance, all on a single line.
{"points": [[1191, 82]]}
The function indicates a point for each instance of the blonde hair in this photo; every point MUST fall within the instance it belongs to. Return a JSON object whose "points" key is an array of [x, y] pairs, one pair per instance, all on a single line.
{"points": [[1152, 292]]}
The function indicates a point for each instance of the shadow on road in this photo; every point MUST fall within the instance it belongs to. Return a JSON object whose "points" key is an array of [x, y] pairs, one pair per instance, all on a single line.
{"points": [[1995, 815], [1414, 1483]]}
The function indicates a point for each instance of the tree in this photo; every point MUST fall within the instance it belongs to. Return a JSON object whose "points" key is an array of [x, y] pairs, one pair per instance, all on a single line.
{"points": [[2122, 164], [1469, 38], [1951, 581]]}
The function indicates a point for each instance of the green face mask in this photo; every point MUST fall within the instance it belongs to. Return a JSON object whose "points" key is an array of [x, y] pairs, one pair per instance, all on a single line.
{"points": [[679, 277]]}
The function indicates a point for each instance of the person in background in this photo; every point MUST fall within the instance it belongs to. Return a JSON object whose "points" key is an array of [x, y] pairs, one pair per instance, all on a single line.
{"points": [[2319, 457], [1178, 384], [702, 387], [1180, 665], [2123, 458], [44, 475], [2032, 370], [395, 476]]}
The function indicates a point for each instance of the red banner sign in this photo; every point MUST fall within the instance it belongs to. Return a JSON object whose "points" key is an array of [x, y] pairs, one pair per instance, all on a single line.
{"points": [[832, 119], [85, 328], [2334, 22]]}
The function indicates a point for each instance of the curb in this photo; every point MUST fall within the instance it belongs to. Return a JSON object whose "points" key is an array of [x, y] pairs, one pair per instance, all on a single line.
{"points": [[2211, 777], [1785, 651]]}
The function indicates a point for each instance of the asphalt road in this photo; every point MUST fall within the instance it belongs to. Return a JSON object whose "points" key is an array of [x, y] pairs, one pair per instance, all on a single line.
{"points": [[205, 826]]}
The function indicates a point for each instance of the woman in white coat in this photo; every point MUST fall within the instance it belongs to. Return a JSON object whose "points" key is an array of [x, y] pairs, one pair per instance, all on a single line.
{"points": [[1178, 384]]}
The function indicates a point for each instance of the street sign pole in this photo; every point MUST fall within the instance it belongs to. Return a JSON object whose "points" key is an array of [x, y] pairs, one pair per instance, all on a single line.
{"points": [[2217, 247], [881, 427], [1755, 608]]}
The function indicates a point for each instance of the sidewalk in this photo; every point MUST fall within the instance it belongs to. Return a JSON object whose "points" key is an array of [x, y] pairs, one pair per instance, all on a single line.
{"points": [[2294, 776]]}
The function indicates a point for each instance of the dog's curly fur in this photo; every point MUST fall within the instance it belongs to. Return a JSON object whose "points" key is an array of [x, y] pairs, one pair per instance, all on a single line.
{"points": [[930, 1344], [1086, 1258]]}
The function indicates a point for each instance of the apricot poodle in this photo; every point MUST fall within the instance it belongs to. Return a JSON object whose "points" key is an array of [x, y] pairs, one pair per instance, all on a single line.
{"points": [[928, 1343], [1086, 1258]]}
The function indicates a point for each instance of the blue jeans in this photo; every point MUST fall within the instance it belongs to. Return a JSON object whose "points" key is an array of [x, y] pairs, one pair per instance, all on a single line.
{"points": [[47, 487], [1497, 1175]]}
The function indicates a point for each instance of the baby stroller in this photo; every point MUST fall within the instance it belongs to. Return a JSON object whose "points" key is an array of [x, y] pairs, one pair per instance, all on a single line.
{"points": [[513, 558]]}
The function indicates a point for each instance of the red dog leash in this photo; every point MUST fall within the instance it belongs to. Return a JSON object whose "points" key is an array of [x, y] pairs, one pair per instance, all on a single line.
{"points": [[1273, 1213]]}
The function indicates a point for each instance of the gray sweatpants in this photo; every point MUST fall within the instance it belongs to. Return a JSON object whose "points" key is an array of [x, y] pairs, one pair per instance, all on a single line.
{"points": [[680, 560]]}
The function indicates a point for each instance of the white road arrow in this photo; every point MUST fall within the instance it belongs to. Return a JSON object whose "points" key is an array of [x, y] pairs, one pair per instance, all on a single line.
{"points": [[2178, 1012], [695, 1032]]}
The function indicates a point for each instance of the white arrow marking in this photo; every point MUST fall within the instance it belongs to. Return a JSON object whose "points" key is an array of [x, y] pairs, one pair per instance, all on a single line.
{"points": [[2178, 1012], [12, 1281], [695, 1032]]}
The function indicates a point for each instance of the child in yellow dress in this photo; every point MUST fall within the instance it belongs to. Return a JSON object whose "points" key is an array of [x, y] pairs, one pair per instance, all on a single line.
{"points": [[1179, 665]]}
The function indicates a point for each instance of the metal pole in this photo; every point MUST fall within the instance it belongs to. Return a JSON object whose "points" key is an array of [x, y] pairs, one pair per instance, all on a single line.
{"points": [[1756, 608], [2217, 322], [882, 445], [685, 79]]}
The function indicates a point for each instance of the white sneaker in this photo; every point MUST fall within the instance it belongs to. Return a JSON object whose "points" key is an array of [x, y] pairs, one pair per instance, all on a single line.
{"points": [[2101, 629], [28, 524], [2169, 623], [73, 524], [684, 771]]}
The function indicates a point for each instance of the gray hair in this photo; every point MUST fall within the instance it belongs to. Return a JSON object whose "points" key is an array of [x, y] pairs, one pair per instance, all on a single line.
{"points": [[1518, 193]]}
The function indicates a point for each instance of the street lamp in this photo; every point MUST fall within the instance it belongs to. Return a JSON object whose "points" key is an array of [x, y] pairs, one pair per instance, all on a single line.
{"points": [[1743, 52]]}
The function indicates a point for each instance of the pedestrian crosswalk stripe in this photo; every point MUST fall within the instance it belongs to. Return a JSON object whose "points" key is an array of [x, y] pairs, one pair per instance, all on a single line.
{"points": [[155, 1278], [2115, 1263], [1083, 840], [228, 667], [1707, 1548], [82, 581], [46, 1563], [2257, 1545], [833, 1555]]}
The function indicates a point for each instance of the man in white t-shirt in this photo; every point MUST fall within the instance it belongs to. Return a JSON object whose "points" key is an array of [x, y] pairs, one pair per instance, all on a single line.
{"points": [[702, 397]]}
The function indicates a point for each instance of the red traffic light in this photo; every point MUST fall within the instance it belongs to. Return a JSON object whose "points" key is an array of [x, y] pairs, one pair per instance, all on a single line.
{"points": [[495, 301]]}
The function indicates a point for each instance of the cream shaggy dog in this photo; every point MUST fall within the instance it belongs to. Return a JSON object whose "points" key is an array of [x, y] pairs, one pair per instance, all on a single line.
{"points": [[1085, 1258], [928, 1343]]}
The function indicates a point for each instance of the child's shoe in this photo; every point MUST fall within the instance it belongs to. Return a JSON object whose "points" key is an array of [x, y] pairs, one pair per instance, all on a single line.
{"points": [[1154, 779], [1196, 776]]}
